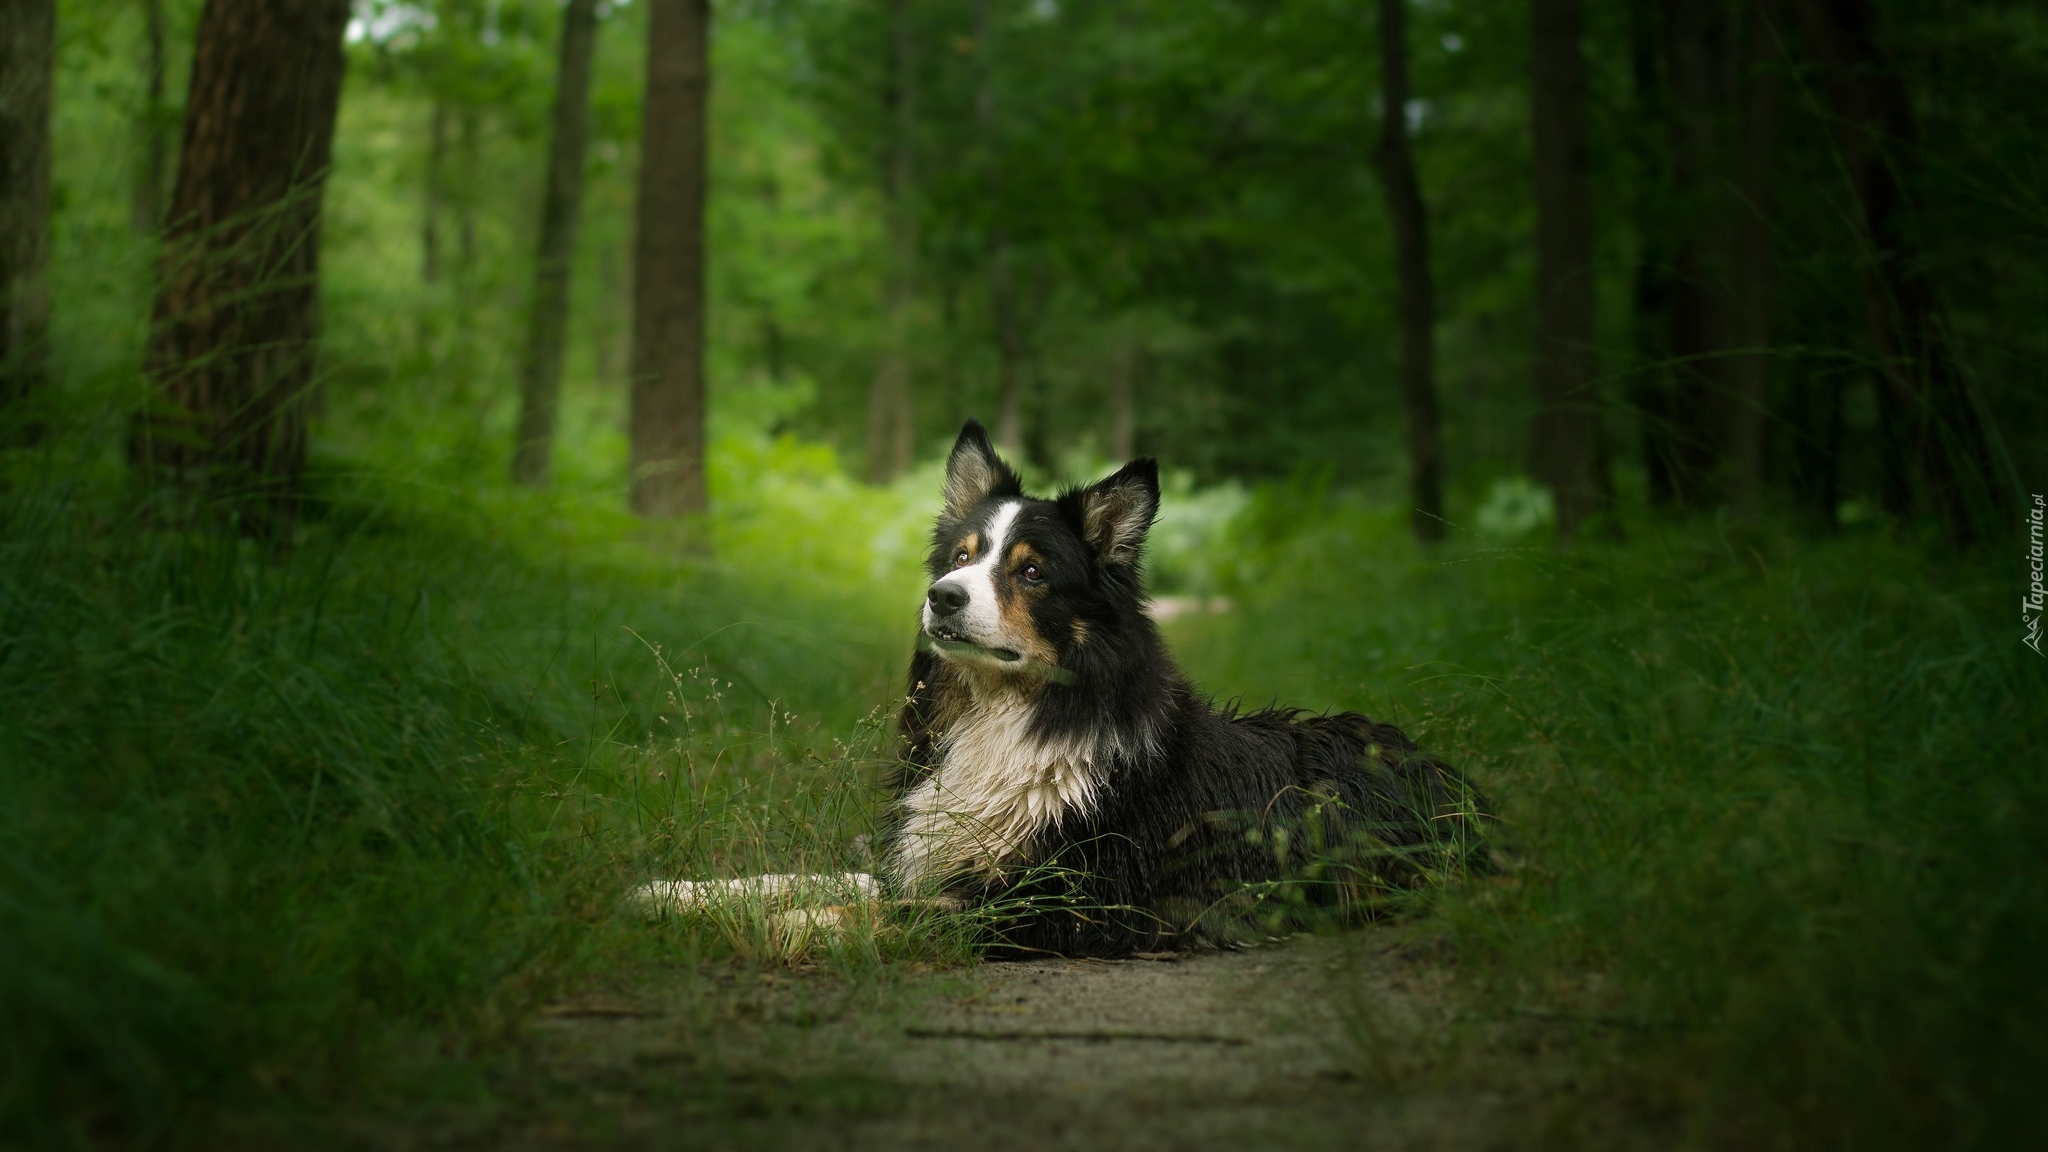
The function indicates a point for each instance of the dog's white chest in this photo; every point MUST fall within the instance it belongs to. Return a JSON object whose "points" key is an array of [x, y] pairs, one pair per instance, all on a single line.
{"points": [[996, 787]]}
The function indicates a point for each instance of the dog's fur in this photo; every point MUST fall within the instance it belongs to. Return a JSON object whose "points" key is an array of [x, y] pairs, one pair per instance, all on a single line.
{"points": [[1060, 774]]}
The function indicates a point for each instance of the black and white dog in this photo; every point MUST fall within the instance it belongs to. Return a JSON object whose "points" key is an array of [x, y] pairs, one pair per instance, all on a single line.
{"points": [[1061, 779], [1061, 774]]}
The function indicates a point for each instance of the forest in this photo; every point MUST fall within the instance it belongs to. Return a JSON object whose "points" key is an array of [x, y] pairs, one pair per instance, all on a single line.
{"points": [[460, 459]]}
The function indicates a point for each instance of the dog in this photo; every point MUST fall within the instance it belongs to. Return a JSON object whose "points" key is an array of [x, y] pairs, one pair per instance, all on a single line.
{"points": [[1061, 780], [1059, 772]]}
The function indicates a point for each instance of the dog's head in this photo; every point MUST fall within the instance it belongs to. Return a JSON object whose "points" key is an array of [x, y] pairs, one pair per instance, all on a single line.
{"points": [[1020, 584]]}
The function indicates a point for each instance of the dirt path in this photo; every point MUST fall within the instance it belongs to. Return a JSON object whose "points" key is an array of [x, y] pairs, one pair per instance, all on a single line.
{"points": [[1233, 1050], [1329, 1042]]}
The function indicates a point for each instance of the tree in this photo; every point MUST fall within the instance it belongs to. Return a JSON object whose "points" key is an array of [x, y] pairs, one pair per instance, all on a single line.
{"points": [[540, 378], [146, 209], [1750, 370], [28, 45], [1405, 208], [1002, 285], [891, 426], [1697, 38], [1564, 431], [236, 318], [1650, 380], [1923, 378], [668, 273], [436, 191], [1123, 398]]}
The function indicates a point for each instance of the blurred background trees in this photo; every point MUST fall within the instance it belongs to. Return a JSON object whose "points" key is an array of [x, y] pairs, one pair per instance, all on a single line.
{"points": [[1774, 256], [27, 66]]}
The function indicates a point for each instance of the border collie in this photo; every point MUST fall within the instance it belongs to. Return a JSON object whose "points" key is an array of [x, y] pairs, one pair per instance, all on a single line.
{"points": [[1061, 779]]}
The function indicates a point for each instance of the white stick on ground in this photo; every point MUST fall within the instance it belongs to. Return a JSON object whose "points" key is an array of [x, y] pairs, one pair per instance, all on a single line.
{"points": [[775, 889]]}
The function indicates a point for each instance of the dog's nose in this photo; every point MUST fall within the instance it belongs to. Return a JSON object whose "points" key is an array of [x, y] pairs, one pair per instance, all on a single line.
{"points": [[947, 599]]}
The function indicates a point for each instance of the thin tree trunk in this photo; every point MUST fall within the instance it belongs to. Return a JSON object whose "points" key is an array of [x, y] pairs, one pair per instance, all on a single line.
{"points": [[888, 398], [1873, 118], [147, 206], [668, 271], [1750, 370], [1814, 417], [236, 321], [28, 46], [436, 193], [956, 373], [1126, 353], [1002, 288], [1564, 265], [540, 378], [1002, 297], [465, 201], [1650, 383], [1123, 398], [1697, 41], [1411, 261], [891, 419]]}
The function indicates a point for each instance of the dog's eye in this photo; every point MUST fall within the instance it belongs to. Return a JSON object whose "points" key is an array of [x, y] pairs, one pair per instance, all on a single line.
{"points": [[960, 558], [1032, 573]]}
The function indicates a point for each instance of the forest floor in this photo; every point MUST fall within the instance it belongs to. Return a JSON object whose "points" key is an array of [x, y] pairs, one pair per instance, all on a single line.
{"points": [[1347, 1041]]}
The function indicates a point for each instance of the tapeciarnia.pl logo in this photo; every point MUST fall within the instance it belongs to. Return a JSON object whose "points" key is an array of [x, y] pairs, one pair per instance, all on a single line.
{"points": [[2031, 604]]}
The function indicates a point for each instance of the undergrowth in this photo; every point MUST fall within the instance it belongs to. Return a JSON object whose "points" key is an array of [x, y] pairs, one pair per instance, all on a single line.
{"points": [[269, 820], [1774, 815], [1771, 809]]}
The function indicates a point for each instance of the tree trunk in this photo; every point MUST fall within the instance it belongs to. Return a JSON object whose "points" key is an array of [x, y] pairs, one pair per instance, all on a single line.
{"points": [[1411, 261], [236, 320], [1813, 413], [436, 193], [1750, 369], [891, 430], [1123, 398], [1002, 302], [668, 270], [28, 47], [1002, 285], [467, 127], [1696, 37], [1650, 384], [1873, 119], [1564, 265], [1127, 353], [540, 378], [147, 204]]}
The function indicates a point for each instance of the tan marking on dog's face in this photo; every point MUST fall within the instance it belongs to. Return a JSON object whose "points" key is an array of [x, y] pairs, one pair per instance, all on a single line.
{"points": [[1080, 631], [1014, 598], [971, 546], [1022, 556]]}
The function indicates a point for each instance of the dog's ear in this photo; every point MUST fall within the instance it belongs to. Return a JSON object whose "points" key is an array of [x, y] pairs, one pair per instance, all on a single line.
{"points": [[974, 472], [1117, 512]]}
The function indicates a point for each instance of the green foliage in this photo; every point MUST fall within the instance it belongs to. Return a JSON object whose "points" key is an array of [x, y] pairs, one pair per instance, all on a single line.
{"points": [[1777, 809], [270, 818]]}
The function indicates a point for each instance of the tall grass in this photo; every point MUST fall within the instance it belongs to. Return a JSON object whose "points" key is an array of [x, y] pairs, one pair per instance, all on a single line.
{"points": [[1775, 811], [267, 818], [1772, 809]]}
